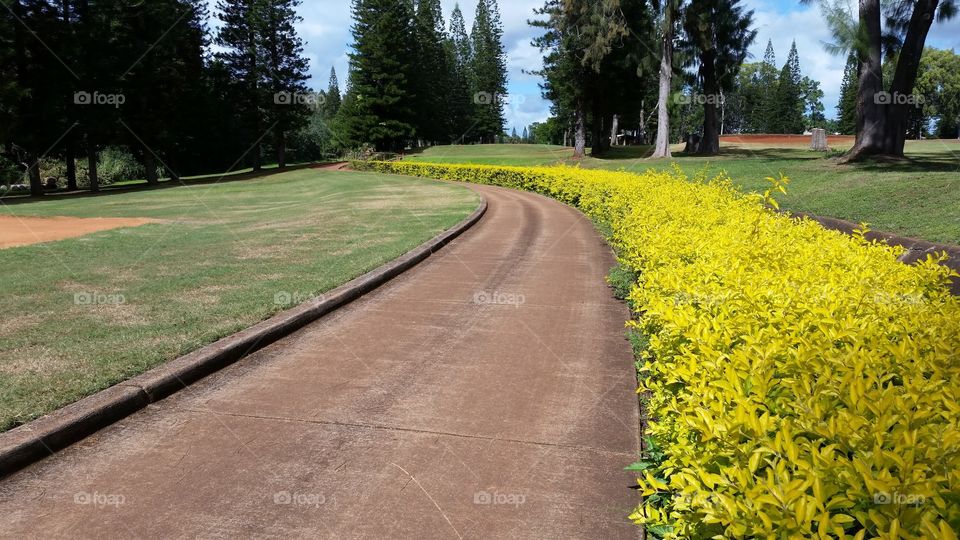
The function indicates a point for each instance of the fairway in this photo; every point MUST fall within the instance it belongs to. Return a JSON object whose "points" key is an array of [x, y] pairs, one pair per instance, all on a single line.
{"points": [[919, 197], [84, 313]]}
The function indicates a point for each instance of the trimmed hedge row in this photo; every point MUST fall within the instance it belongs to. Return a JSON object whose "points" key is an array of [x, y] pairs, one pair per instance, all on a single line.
{"points": [[802, 383]]}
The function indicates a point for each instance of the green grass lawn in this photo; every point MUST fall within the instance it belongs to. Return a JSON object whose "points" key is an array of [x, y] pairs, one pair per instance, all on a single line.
{"points": [[494, 154], [217, 263], [918, 198]]}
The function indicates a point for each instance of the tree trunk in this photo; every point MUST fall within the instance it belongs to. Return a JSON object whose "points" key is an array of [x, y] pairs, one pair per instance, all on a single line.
{"points": [[662, 146], [579, 133], [599, 138], [71, 159], [881, 116], [257, 161], [33, 172], [615, 130], [280, 141], [150, 164], [92, 167], [710, 142]]}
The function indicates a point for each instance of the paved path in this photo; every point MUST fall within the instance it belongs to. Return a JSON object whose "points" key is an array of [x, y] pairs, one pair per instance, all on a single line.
{"points": [[488, 393]]}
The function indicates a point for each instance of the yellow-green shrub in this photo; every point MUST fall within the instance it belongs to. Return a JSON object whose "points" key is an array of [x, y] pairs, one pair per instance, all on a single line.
{"points": [[803, 383]]}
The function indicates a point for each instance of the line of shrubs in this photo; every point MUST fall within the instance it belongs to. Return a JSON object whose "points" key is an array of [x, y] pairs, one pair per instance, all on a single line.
{"points": [[114, 164], [800, 383]]}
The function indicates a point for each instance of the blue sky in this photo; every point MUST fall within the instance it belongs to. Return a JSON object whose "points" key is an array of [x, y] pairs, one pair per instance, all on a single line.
{"points": [[326, 31]]}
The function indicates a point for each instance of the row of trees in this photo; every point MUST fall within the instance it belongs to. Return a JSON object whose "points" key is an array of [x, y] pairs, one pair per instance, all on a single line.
{"points": [[78, 76], [887, 42], [602, 61], [414, 81], [936, 95], [768, 99], [598, 53]]}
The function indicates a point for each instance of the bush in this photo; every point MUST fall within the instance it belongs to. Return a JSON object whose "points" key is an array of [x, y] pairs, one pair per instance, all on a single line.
{"points": [[10, 172], [114, 164], [802, 383]]}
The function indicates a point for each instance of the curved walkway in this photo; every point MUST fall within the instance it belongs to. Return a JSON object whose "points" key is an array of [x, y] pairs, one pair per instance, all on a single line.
{"points": [[487, 393]]}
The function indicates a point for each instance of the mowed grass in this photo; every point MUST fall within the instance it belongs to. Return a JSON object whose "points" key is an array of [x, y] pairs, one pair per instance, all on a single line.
{"points": [[919, 197], [521, 155], [222, 258]]}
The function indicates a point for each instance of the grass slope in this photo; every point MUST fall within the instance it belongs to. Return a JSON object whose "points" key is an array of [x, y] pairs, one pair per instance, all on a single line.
{"points": [[918, 198], [222, 258]]}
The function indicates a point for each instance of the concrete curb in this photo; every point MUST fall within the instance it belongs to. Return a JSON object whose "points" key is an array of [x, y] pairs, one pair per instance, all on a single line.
{"points": [[916, 249], [44, 436]]}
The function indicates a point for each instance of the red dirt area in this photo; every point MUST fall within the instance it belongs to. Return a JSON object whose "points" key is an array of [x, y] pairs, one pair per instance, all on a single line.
{"points": [[24, 231], [784, 140]]}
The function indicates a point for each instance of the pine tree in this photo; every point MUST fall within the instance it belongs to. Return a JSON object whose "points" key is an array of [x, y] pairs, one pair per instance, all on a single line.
{"points": [[489, 70], [332, 98], [461, 93], [847, 107], [767, 77], [813, 103], [162, 85], [242, 55], [789, 104], [285, 73], [434, 77], [378, 106]]}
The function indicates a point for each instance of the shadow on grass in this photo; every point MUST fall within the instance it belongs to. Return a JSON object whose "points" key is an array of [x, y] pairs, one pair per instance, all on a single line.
{"points": [[727, 152], [164, 184], [916, 163]]}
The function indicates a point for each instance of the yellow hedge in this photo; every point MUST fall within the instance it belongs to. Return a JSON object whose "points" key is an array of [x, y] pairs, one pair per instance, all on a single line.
{"points": [[802, 383]]}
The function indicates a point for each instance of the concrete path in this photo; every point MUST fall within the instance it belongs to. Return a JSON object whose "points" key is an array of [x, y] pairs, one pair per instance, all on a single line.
{"points": [[488, 393]]}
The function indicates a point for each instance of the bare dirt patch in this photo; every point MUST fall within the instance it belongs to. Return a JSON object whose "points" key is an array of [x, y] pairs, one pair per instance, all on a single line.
{"points": [[784, 140], [24, 231]]}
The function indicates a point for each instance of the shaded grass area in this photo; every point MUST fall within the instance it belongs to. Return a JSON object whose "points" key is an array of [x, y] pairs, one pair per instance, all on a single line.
{"points": [[224, 257], [916, 197]]}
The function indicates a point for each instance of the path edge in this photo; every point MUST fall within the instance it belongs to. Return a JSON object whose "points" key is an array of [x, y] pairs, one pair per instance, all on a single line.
{"points": [[43, 437]]}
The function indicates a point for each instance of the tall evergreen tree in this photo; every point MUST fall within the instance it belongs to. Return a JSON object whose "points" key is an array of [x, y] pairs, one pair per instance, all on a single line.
{"points": [[789, 103], [461, 91], [767, 78], [160, 84], [847, 107], [332, 98], [489, 71], [285, 73], [378, 107], [812, 103], [242, 55], [434, 77]]}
